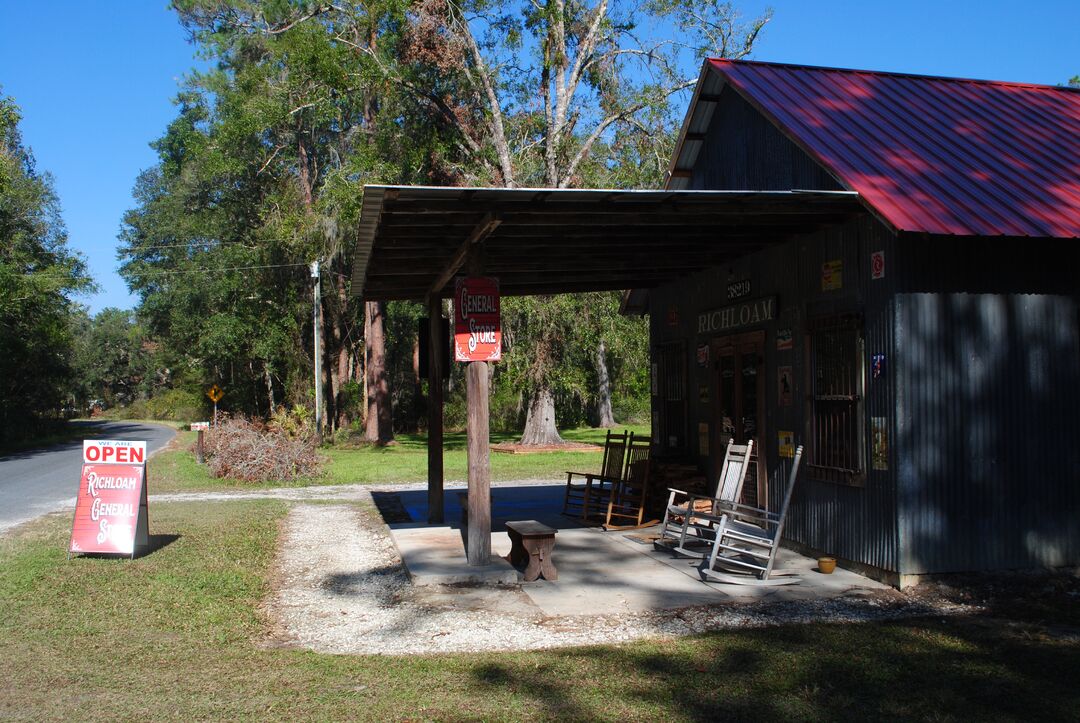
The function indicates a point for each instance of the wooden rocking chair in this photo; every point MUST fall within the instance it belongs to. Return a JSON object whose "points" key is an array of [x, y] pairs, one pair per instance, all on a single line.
{"points": [[747, 539], [588, 498], [689, 519], [626, 503]]}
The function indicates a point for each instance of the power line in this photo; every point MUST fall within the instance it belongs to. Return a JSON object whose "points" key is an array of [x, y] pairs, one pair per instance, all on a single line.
{"points": [[213, 271], [250, 244], [162, 272]]}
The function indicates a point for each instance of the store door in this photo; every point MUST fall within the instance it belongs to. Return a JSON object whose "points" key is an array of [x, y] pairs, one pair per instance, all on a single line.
{"points": [[740, 405]]}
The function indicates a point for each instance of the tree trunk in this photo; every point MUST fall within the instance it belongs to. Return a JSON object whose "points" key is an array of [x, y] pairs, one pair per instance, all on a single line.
{"points": [[540, 427], [269, 388], [380, 420], [419, 412], [607, 418]]}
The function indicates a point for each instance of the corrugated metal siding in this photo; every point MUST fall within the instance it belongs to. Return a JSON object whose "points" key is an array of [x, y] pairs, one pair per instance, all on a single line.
{"points": [[932, 155], [744, 150], [988, 391], [856, 523]]}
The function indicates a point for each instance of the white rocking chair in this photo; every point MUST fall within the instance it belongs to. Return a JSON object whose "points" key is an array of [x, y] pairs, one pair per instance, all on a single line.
{"points": [[747, 539], [689, 519]]}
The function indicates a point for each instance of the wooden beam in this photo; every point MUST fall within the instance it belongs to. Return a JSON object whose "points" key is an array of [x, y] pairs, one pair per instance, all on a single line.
{"points": [[478, 443], [435, 411], [460, 212], [487, 225], [442, 227], [479, 455]]}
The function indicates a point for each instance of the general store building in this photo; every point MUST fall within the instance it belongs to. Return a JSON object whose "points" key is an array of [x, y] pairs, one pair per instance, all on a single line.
{"points": [[880, 267], [925, 351]]}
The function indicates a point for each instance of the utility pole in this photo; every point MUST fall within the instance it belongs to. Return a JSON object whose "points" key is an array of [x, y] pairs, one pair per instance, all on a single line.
{"points": [[318, 349]]}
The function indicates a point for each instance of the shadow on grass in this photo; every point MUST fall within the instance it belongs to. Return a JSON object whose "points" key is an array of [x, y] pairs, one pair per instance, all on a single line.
{"points": [[912, 669], [156, 542], [457, 441]]}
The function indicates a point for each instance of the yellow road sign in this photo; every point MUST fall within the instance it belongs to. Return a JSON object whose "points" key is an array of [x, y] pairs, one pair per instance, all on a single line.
{"points": [[215, 394]]}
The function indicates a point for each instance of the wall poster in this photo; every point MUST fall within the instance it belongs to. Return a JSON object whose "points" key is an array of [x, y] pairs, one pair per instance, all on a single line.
{"points": [[783, 339], [879, 447], [787, 444], [832, 275], [784, 386]]}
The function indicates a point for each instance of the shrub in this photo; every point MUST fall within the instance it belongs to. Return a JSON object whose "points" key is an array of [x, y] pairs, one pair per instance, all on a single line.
{"points": [[241, 449], [178, 405]]}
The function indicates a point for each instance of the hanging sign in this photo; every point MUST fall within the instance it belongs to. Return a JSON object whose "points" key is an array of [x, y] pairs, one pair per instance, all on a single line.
{"points": [[110, 509], [477, 326]]}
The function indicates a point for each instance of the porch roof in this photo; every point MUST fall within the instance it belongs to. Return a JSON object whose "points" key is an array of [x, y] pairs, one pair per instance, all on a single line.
{"points": [[414, 239]]}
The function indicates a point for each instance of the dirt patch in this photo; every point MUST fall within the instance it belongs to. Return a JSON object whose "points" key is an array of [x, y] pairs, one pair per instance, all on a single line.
{"points": [[515, 448]]}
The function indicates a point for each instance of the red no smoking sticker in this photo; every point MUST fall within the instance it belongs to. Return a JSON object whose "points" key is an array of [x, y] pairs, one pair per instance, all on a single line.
{"points": [[877, 265]]}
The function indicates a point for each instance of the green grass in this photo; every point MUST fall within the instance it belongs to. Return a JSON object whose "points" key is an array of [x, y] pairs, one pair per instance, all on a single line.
{"points": [[179, 634], [175, 470]]}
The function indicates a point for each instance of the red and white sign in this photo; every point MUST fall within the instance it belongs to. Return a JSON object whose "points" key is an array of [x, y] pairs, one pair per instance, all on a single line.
{"points": [[200, 426], [101, 451], [477, 324], [877, 265], [110, 509]]}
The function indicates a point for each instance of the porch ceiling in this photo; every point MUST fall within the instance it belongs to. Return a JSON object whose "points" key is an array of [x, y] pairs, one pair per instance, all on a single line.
{"points": [[414, 239]]}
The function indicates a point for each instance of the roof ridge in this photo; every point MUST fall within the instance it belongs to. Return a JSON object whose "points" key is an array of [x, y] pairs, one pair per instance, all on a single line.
{"points": [[897, 74]]}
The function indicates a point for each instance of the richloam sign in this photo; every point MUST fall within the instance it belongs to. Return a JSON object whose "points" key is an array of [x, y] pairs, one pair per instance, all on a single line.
{"points": [[110, 509], [477, 325]]}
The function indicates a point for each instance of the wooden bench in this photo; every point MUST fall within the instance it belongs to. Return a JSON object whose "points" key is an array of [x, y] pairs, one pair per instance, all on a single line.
{"points": [[532, 544]]}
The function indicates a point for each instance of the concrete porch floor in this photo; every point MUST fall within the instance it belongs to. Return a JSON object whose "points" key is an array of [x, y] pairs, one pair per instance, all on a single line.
{"points": [[599, 572]]}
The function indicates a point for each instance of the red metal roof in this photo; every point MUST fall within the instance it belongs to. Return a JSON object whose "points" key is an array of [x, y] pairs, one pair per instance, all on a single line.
{"points": [[934, 155]]}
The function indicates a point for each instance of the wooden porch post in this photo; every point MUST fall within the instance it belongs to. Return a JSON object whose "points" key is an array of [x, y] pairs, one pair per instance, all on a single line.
{"points": [[478, 430], [476, 383], [479, 551], [435, 411]]}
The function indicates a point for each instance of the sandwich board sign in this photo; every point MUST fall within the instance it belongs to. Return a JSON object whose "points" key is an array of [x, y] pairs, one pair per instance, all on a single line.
{"points": [[110, 509]]}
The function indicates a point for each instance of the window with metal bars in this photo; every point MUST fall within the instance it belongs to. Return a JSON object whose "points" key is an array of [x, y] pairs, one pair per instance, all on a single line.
{"points": [[835, 412], [671, 380]]}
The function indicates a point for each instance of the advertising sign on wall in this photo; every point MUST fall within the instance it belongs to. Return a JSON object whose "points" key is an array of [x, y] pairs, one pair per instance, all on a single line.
{"points": [[832, 275], [110, 509], [477, 325]]}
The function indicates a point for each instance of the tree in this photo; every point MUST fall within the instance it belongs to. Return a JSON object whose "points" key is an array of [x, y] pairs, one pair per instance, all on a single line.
{"points": [[550, 93], [260, 174], [39, 275], [113, 360]]}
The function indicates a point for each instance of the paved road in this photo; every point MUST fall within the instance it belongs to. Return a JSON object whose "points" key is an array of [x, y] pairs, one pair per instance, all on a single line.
{"points": [[35, 482]]}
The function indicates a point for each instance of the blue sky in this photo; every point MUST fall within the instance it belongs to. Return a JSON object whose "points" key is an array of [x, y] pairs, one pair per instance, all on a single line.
{"points": [[95, 79]]}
